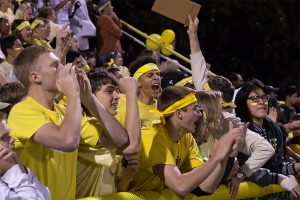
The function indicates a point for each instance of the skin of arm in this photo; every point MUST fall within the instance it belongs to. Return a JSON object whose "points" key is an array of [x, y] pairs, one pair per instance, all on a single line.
{"points": [[198, 64], [66, 136]]}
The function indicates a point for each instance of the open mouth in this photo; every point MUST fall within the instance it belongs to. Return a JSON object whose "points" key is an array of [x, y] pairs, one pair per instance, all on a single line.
{"points": [[114, 105], [156, 87]]}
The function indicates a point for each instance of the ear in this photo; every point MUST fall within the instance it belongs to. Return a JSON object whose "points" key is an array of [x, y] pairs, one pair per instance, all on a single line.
{"points": [[178, 113], [139, 83], [10, 51], [34, 77]]}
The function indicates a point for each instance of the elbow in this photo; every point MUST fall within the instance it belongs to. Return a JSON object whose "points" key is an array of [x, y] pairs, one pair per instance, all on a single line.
{"points": [[181, 189], [71, 145], [123, 141]]}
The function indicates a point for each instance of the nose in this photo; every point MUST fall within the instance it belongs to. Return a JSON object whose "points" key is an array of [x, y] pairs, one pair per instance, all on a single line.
{"points": [[116, 95]]}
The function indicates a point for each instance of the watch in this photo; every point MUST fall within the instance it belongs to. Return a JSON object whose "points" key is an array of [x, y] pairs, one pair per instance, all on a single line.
{"points": [[240, 175]]}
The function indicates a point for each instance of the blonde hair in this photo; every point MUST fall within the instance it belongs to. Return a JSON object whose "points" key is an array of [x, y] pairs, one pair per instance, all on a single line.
{"points": [[26, 62], [212, 102]]}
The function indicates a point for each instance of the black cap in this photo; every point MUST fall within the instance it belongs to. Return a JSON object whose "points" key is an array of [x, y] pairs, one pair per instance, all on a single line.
{"points": [[172, 77]]}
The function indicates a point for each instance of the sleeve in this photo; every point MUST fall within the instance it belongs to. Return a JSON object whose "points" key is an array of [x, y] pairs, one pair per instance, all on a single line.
{"points": [[121, 116], [109, 25], [157, 149], [91, 130], [25, 121], [15, 184], [259, 150], [199, 70], [195, 159], [263, 177]]}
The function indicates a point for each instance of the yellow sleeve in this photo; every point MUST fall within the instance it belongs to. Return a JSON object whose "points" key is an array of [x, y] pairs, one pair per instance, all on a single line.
{"points": [[156, 148], [90, 131], [24, 121], [121, 116], [194, 154]]}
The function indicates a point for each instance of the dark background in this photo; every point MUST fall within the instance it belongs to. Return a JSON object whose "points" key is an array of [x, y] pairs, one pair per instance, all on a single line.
{"points": [[258, 38]]}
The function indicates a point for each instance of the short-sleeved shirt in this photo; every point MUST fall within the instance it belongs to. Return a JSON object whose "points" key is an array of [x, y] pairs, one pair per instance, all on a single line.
{"points": [[54, 168], [159, 149], [146, 117]]}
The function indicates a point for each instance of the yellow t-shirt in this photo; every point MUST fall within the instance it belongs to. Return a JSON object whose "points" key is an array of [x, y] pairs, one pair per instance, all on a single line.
{"points": [[146, 117], [158, 148], [97, 170], [54, 168]]}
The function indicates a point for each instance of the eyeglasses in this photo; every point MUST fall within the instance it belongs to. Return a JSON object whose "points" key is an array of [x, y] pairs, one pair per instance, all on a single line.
{"points": [[256, 99]]}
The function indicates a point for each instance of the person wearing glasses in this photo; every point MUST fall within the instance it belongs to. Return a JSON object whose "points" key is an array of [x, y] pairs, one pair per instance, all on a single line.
{"points": [[252, 106]]}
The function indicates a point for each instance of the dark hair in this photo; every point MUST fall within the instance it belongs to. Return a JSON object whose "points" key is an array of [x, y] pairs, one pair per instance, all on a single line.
{"points": [[170, 95], [234, 76], [220, 83], [99, 77], [12, 93], [15, 24], [290, 90], [7, 42], [139, 62], [45, 12], [242, 110], [71, 56]]}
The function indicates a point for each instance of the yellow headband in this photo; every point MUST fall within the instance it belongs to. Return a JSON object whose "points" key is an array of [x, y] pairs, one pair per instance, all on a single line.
{"points": [[185, 101], [228, 104], [184, 81], [35, 23], [144, 69], [206, 86], [22, 25], [102, 7]]}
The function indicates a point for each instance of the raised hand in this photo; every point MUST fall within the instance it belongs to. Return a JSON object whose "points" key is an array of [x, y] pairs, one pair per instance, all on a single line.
{"points": [[193, 25], [128, 85], [84, 83], [67, 82], [273, 114]]}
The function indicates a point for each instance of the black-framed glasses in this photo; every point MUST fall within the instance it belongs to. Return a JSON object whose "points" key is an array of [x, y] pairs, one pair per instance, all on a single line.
{"points": [[256, 99]]}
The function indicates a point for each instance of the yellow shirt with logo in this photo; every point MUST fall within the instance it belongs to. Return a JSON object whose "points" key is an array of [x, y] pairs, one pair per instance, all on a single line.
{"points": [[55, 169], [146, 117], [157, 148]]}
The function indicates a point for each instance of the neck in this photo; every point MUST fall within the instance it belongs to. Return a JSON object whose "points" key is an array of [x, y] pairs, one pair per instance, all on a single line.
{"points": [[10, 60], [173, 131], [259, 122], [46, 99], [142, 97]]}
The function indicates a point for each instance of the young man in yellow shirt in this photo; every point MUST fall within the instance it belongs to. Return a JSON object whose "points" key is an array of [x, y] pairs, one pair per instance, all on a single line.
{"points": [[146, 72], [47, 135], [99, 168], [169, 156]]}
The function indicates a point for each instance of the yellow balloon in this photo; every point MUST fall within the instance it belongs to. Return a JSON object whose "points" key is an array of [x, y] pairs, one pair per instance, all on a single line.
{"points": [[151, 44], [165, 51], [167, 36]]}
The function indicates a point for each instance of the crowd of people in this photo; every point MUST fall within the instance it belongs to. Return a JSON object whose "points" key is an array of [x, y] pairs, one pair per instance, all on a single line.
{"points": [[76, 122]]}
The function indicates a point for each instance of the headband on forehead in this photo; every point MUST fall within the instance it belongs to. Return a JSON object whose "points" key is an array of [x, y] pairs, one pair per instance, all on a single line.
{"points": [[185, 101], [35, 23], [144, 69], [22, 26]]}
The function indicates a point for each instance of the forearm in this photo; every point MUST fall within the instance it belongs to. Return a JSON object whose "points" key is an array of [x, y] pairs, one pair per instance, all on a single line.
{"points": [[194, 43], [259, 150], [185, 183], [213, 180], [114, 130], [71, 125], [133, 126]]}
